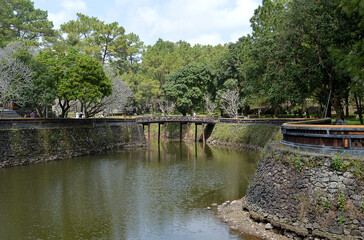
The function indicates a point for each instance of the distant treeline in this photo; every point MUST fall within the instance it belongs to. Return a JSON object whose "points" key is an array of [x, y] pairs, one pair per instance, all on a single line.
{"points": [[300, 53]]}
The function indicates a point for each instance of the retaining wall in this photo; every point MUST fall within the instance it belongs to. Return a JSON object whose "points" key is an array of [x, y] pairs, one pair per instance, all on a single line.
{"points": [[304, 193], [31, 145]]}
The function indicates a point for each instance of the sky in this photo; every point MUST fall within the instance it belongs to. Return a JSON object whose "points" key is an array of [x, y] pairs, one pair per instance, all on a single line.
{"points": [[195, 21]]}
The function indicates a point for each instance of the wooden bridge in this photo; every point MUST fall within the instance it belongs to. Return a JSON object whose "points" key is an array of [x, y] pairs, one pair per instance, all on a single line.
{"points": [[188, 120], [316, 135]]}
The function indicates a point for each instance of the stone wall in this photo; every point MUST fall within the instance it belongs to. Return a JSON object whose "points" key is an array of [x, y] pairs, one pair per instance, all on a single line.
{"points": [[313, 195], [32, 145]]}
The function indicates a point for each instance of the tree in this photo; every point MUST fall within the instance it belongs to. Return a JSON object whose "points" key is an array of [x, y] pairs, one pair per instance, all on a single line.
{"points": [[160, 60], [166, 107], [44, 91], [210, 105], [95, 37], [15, 76], [323, 32], [187, 86], [127, 54], [119, 97], [230, 102], [78, 77], [19, 20]]}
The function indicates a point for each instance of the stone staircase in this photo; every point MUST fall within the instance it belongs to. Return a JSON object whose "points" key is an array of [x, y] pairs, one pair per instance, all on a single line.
{"points": [[6, 113]]}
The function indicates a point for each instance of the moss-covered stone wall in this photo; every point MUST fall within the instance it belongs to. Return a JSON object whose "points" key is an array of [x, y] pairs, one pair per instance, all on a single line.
{"points": [[25, 146], [310, 194]]}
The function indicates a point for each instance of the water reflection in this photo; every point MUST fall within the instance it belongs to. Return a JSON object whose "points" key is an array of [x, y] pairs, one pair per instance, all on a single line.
{"points": [[155, 193]]}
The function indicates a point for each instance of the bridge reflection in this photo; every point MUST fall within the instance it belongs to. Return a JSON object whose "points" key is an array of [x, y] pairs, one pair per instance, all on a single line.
{"points": [[186, 151]]}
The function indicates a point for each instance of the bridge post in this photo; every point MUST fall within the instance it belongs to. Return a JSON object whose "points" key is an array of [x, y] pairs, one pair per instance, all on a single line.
{"points": [[148, 133], [188, 132], [165, 132], [180, 132], [159, 133], [195, 132], [203, 133]]}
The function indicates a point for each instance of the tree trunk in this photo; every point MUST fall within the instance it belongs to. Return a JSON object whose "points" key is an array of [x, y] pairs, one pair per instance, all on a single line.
{"points": [[358, 107], [338, 107], [64, 107], [329, 115], [307, 113], [347, 106], [39, 111], [276, 112]]}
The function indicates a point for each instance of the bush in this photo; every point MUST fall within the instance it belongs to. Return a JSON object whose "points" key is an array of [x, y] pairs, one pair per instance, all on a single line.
{"points": [[337, 163]]}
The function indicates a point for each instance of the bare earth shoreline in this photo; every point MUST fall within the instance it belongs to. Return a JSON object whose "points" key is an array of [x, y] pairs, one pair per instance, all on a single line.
{"points": [[232, 213]]}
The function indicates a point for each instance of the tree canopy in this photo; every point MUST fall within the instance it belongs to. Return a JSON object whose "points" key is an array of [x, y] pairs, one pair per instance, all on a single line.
{"points": [[300, 54]]}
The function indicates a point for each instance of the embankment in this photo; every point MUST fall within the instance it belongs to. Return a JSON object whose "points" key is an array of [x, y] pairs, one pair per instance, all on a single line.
{"points": [[309, 194], [252, 136], [31, 145]]}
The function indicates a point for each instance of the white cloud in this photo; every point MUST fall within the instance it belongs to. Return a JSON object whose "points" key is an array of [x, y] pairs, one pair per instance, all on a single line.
{"points": [[209, 21], [74, 5], [67, 11], [206, 39]]}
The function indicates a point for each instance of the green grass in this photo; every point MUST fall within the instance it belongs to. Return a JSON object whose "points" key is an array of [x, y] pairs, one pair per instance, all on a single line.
{"points": [[258, 135]]}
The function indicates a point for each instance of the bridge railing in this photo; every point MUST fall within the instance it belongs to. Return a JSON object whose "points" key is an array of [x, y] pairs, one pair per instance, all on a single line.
{"points": [[317, 134], [182, 119], [61, 122], [271, 121]]}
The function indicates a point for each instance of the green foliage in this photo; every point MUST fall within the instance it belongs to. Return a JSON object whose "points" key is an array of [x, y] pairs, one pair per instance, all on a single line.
{"points": [[341, 201], [337, 163], [341, 220], [186, 87], [326, 204], [358, 167], [298, 163], [19, 20], [44, 90], [257, 135], [362, 207], [78, 77], [103, 41]]}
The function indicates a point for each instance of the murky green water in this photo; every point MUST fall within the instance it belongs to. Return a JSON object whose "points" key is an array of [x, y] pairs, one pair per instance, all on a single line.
{"points": [[133, 194]]}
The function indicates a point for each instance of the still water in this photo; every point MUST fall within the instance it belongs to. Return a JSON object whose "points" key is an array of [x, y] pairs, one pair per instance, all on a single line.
{"points": [[160, 193]]}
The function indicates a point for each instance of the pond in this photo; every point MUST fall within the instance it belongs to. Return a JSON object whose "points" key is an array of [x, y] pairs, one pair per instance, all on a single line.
{"points": [[156, 193]]}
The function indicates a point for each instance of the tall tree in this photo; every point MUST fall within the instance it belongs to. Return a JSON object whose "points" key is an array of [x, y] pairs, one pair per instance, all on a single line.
{"points": [[320, 29], [78, 77], [94, 37], [187, 86], [19, 20]]}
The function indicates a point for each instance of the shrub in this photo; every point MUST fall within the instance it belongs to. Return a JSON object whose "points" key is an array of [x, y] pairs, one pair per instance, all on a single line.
{"points": [[341, 220], [341, 201], [337, 163]]}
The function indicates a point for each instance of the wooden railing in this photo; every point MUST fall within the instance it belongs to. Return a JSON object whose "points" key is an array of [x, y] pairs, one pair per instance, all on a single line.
{"points": [[179, 119], [319, 135], [61, 122], [270, 121]]}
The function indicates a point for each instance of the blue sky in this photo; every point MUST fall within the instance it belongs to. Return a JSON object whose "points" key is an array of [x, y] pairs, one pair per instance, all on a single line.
{"points": [[195, 21]]}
